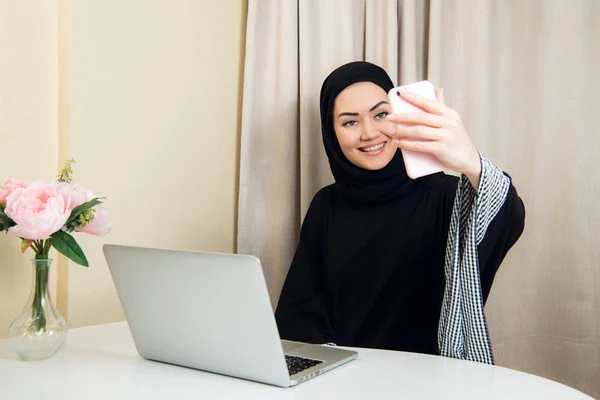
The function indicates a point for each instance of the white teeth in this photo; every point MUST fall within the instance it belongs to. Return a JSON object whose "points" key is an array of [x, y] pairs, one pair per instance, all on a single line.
{"points": [[373, 148]]}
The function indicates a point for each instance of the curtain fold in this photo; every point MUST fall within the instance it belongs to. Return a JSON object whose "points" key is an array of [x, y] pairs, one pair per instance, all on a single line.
{"points": [[269, 146], [524, 76], [320, 21]]}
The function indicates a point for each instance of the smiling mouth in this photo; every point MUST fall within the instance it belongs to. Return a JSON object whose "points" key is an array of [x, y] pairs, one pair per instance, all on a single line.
{"points": [[373, 148]]}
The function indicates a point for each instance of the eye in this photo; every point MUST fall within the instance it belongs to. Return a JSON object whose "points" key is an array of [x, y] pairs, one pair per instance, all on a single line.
{"points": [[349, 124], [381, 115]]}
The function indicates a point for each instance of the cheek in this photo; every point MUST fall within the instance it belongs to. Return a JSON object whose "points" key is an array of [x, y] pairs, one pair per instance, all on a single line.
{"points": [[386, 126], [345, 138]]}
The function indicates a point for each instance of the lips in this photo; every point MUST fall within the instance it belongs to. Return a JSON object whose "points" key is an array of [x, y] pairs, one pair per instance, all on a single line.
{"points": [[373, 148]]}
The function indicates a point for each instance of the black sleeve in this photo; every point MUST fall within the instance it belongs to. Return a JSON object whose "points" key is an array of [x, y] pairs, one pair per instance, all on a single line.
{"points": [[501, 234], [301, 314]]}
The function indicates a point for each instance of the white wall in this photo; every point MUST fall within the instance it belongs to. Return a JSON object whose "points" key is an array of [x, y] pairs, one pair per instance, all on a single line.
{"points": [[155, 104], [28, 125], [150, 97]]}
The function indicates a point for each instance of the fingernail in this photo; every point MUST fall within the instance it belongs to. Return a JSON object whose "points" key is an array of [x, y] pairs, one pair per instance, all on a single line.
{"points": [[396, 141], [392, 133], [391, 117]]}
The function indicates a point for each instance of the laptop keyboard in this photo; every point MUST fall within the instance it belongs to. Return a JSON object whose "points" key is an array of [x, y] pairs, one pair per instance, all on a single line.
{"points": [[297, 364]]}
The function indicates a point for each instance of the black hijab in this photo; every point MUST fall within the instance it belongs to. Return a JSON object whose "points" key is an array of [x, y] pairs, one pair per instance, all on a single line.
{"points": [[358, 184]]}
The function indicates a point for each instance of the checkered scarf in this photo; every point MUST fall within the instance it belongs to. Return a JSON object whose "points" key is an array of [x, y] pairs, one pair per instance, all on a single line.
{"points": [[463, 331]]}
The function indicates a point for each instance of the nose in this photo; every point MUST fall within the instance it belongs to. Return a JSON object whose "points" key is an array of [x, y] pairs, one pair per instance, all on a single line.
{"points": [[369, 131]]}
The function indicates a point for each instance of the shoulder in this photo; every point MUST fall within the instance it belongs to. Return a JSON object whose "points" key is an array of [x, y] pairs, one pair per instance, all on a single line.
{"points": [[317, 210], [323, 197]]}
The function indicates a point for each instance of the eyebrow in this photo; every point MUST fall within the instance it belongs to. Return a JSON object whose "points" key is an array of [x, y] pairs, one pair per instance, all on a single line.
{"points": [[356, 114]]}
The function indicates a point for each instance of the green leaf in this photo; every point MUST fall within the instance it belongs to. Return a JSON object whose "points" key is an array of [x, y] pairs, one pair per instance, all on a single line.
{"points": [[4, 218], [66, 244], [5, 222], [81, 208], [5, 227]]}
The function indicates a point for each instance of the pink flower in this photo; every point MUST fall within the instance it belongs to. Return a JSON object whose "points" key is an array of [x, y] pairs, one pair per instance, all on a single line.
{"points": [[39, 210], [9, 186], [78, 193], [100, 225]]}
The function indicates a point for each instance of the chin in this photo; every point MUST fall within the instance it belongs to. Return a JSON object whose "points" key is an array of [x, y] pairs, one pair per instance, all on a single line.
{"points": [[374, 165]]}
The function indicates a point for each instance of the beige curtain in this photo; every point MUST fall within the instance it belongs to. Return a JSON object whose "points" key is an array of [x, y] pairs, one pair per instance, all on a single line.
{"points": [[525, 76]]}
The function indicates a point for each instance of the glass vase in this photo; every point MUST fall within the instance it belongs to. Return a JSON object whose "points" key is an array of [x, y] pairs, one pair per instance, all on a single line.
{"points": [[39, 330]]}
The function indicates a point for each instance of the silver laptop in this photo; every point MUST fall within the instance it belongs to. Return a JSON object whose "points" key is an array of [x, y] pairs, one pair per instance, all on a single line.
{"points": [[211, 312]]}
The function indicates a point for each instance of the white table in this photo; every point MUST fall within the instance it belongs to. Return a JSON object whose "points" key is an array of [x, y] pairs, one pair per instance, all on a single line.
{"points": [[100, 362]]}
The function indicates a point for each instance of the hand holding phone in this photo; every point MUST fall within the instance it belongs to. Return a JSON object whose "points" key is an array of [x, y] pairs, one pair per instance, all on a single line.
{"points": [[417, 164]]}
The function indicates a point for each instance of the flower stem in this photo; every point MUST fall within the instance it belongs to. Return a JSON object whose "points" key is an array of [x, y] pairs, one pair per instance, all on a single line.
{"points": [[38, 315]]}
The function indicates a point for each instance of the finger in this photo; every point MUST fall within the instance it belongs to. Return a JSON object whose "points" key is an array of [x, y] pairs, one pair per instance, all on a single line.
{"points": [[425, 104], [419, 146], [389, 131], [417, 132], [439, 95], [420, 118]]}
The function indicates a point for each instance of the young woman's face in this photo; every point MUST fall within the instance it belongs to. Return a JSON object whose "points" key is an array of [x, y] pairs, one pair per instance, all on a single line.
{"points": [[361, 127]]}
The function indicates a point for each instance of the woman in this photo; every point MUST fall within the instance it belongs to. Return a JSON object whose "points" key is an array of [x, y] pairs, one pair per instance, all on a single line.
{"points": [[388, 262]]}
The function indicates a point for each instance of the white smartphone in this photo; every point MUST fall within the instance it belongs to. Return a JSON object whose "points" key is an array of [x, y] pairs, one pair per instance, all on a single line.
{"points": [[417, 164]]}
